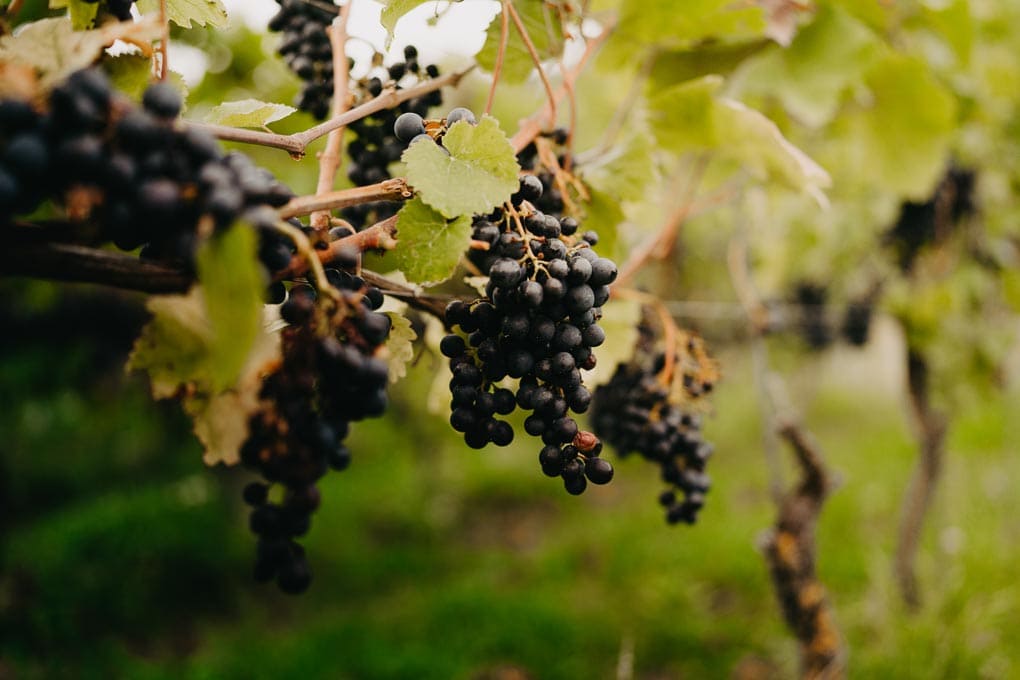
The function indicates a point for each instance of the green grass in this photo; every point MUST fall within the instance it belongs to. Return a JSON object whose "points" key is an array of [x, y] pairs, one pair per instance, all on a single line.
{"points": [[435, 561]]}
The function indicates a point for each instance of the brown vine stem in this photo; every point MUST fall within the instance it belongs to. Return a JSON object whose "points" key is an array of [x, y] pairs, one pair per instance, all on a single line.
{"points": [[82, 264], [13, 8], [329, 159], [931, 427], [296, 143], [497, 69], [669, 329], [432, 304], [661, 244], [164, 40], [395, 189], [790, 552], [531, 127], [508, 6], [380, 236]]}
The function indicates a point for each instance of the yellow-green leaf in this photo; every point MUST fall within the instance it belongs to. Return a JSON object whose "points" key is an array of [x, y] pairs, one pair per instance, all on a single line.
{"points": [[478, 174], [248, 113], [232, 285], [55, 50], [183, 12], [399, 347]]}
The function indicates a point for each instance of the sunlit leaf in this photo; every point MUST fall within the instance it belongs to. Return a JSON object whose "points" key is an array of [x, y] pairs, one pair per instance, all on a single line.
{"points": [[184, 12], [248, 113], [476, 172]]}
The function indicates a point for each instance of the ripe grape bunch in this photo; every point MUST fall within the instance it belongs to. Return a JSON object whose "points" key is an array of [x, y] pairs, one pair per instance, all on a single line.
{"points": [[537, 323], [376, 145], [644, 410], [131, 174], [307, 51], [330, 375]]}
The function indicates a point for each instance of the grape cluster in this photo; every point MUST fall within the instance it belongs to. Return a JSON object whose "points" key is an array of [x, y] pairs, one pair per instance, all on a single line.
{"points": [[814, 327], [375, 145], [330, 376], [923, 223], [551, 200], [537, 323], [128, 174], [118, 8], [857, 321], [306, 50], [636, 412]]}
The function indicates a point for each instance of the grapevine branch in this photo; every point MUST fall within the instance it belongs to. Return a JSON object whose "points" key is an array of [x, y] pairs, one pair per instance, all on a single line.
{"points": [[519, 25], [164, 40], [931, 434], [790, 552], [497, 69], [329, 159], [432, 304], [71, 262], [378, 236], [531, 127], [82, 264], [395, 189], [296, 143]]}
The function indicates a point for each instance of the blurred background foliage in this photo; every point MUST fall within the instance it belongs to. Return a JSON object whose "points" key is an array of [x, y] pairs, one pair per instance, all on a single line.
{"points": [[121, 556]]}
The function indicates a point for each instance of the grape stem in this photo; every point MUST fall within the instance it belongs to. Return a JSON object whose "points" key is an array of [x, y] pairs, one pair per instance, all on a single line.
{"points": [[164, 40], [497, 69], [330, 158], [432, 304], [395, 189], [297, 143], [508, 6], [378, 236], [531, 127], [310, 255], [669, 329]]}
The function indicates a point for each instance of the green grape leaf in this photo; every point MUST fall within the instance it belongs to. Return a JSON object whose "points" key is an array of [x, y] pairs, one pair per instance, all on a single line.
{"points": [[55, 50], [211, 346], [693, 116], [541, 20], [248, 113], [479, 172], [232, 281], [83, 14], [903, 134], [665, 25], [183, 12], [173, 346], [129, 73], [675, 66], [393, 11], [826, 59], [399, 345], [429, 245]]}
